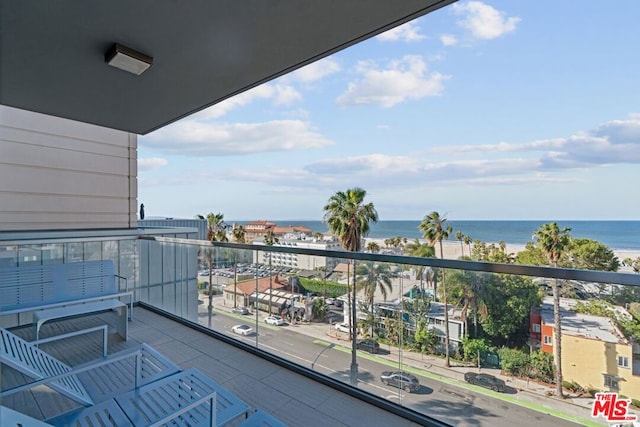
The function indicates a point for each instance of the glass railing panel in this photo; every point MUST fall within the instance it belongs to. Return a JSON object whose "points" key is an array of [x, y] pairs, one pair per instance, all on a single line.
{"points": [[499, 316]]}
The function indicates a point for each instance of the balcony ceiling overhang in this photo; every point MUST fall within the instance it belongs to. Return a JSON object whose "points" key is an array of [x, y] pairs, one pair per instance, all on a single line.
{"points": [[52, 53]]}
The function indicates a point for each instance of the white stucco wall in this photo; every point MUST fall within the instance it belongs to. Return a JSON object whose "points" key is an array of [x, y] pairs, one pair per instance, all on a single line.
{"points": [[58, 174]]}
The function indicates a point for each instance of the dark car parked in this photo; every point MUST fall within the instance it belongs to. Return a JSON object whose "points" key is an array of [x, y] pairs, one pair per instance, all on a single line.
{"points": [[368, 344], [403, 380], [485, 380], [240, 310]]}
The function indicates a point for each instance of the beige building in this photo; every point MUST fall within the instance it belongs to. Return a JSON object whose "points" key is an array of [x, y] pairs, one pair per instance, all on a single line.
{"points": [[594, 351]]}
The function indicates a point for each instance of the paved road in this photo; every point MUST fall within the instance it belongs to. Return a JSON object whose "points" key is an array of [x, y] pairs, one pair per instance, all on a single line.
{"points": [[455, 404]]}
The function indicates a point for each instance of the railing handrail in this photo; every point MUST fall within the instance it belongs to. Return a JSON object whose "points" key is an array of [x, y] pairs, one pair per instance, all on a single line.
{"points": [[592, 276]]}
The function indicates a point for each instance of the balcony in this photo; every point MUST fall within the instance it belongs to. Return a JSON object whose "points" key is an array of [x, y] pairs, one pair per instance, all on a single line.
{"points": [[302, 371]]}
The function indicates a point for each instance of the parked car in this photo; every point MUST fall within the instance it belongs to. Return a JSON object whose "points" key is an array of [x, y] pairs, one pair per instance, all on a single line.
{"points": [[329, 301], [240, 310], [343, 327], [274, 320], [242, 329], [485, 380], [368, 344], [403, 380]]}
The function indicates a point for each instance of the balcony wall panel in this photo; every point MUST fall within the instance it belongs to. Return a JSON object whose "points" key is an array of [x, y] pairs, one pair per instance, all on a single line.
{"points": [[60, 174]]}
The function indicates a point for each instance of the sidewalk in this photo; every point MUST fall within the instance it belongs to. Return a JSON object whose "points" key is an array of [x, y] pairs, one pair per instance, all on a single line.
{"points": [[530, 394]]}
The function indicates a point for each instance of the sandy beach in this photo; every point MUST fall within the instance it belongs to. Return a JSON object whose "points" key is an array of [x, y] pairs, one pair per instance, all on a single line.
{"points": [[453, 250]]}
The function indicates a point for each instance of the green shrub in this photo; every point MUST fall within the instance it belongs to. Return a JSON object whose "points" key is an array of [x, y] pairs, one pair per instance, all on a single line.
{"points": [[333, 289], [572, 386], [636, 403], [513, 361], [592, 391]]}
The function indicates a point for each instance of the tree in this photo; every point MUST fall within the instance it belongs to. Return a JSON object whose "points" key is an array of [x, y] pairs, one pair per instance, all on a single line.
{"points": [[216, 232], [633, 263], [467, 241], [467, 290], [434, 230], [425, 338], [370, 278], [531, 255], [472, 348], [509, 299], [460, 238], [423, 250], [553, 242], [270, 239], [373, 247], [239, 234], [590, 254], [318, 309], [348, 218]]}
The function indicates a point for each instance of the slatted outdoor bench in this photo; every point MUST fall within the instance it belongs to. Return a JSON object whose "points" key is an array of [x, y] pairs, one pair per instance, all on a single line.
{"points": [[56, 291]]}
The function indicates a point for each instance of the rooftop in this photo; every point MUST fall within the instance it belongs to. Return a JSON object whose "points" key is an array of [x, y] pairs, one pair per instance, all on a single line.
{"points": [[582, 325]]}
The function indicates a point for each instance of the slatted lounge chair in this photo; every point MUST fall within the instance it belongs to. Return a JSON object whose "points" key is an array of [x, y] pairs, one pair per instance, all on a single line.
{"points": [[11, 418], [92, 382], [104, 414], [182, 399], [159, 392], [156, 401]]}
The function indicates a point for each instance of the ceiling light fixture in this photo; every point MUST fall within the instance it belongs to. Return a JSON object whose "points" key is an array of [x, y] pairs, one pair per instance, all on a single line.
{"points": [[127, 59]]}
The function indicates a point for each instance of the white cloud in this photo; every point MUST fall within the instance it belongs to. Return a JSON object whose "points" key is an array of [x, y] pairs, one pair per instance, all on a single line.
{"points": [[191, 138], [401, 80], [286, 95], [617, 141], [448, 40], [483, 21], [151, 163], [408, 32], [314, 71]]}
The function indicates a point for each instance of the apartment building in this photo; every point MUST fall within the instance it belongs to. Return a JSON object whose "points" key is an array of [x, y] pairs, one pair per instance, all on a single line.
{"points": [[595, 353], [298, 260]]}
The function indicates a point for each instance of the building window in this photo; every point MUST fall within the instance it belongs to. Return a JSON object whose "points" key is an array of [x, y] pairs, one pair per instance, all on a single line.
{"points": [[548, 340], [611, 382], [623, 361], [536, 328]]}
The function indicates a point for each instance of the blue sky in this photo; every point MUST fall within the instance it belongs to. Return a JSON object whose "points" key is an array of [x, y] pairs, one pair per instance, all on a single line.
{"points": [[481, 110]]}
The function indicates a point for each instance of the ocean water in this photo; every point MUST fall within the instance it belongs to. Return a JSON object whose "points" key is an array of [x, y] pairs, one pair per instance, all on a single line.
{"points": [[617, 235]]}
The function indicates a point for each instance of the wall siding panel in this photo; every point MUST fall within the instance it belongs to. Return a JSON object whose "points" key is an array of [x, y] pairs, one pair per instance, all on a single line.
{"points": [[61, 174]]}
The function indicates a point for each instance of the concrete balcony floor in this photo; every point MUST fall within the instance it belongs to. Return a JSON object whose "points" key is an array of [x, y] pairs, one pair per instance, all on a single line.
{"points": [[291, 397]]}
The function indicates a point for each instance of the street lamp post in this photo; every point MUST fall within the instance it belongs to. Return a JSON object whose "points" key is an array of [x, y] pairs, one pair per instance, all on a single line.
{"points": [[354, 331], [319, 354]]}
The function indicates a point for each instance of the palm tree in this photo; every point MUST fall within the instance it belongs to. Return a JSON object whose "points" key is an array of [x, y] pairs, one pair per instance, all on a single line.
{"points": [[467, 241], [348, 218], [216, 232], [270, 239], [239, 234], [553, 243], [371, 277], [373, 247], [434, 229], [460, 237], [423, 250], [470, 295]]}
